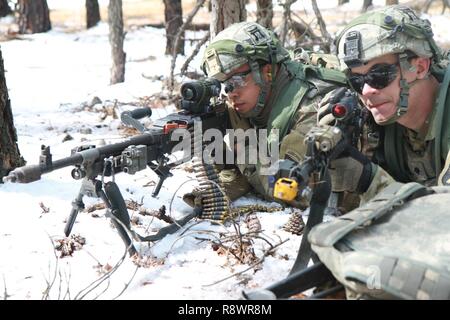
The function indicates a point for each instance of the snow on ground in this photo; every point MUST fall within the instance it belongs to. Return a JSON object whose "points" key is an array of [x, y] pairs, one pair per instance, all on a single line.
{"points": [[50, 76]]}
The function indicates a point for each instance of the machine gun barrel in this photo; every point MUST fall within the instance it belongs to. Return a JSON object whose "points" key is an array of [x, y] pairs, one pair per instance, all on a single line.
{"points": [[33, 173], [202, 108]]}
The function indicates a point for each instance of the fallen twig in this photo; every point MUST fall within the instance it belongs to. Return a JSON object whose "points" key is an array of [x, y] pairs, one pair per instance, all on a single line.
{"points": [[261, 260]]}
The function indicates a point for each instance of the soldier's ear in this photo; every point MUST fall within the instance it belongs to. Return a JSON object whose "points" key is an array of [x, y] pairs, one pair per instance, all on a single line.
{"points": [[422, 67]]}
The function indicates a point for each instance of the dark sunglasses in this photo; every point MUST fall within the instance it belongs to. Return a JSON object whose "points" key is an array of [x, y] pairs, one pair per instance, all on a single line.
{"points": [[379, 77]]}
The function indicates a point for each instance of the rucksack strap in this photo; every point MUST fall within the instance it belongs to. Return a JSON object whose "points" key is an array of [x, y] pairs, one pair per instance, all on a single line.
{"points": [[443, 122]]}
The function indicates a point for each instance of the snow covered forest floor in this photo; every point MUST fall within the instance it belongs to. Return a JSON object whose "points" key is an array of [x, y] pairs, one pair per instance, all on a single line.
{"points": [[58, 86]]}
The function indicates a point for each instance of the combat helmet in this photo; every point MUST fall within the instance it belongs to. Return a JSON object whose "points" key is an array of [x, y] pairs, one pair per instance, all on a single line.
{"points": [[394, 29], [241, 43]]}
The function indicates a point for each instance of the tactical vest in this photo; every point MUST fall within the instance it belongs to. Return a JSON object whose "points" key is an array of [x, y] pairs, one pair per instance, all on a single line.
{"points": [[393, 247], [305, 81], [424, 169]]}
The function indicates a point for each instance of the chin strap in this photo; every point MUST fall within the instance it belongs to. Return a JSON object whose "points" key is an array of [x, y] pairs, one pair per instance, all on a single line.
{"points": [[402, 106], [259, 80]]}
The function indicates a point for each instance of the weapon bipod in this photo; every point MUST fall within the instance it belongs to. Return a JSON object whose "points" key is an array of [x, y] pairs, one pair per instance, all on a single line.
{"points": [[114, 202], [110, 194]]}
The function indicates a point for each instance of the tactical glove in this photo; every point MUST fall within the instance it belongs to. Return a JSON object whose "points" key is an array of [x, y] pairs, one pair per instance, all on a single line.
{"points": [[349, 169], [232, 183], [324, 113], [193, 198]]}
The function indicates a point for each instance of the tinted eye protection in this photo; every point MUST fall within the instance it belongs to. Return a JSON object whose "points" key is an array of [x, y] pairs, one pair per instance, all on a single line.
{"points": [[378, 77]]}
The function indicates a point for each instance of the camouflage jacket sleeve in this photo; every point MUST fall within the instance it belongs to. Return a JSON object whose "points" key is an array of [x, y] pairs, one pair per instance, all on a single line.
{"points": [[233, 182], [382, 179], [291, 146]]}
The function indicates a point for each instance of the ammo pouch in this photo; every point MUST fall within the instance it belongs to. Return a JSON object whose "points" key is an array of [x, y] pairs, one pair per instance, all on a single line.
{"points": [[397, 246]]}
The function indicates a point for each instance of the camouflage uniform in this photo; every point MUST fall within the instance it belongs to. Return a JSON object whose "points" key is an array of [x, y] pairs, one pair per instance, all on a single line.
{"points": [[296, 89], [399, 153], [391, 247]]}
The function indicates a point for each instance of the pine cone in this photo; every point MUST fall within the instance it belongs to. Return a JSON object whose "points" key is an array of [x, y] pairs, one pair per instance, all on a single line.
{"points": [[253, 223], [295, 224]]}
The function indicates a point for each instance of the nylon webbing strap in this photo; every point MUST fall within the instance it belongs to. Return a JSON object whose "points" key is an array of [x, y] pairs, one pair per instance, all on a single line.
{"points": [[440, 118], [393, 141]]}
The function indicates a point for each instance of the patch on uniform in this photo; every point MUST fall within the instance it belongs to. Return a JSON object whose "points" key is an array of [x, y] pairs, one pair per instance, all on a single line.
{"points": [[445, 180]]}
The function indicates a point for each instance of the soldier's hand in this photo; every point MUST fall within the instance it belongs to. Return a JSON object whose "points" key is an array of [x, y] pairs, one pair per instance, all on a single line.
{"points": [[194, 199], [324, 115]]}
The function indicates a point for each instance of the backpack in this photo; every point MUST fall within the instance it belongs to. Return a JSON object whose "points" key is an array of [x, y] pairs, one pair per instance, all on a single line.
{"points": [[396, 246]]}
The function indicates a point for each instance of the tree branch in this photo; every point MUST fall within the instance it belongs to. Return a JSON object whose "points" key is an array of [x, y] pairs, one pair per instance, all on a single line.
{"points": [[323, 28], [194, 53], [183, 27]]}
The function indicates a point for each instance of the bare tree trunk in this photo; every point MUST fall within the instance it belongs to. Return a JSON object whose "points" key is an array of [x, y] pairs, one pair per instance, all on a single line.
{"points": [[264, 13], [9, 151], [34, 16], [225, 13], [188, 21], [173, 17], [341, 2], [391, 2], [366, 5], [116, 37], [4, 8], [323, 27], [286, 21], [92, 13]]}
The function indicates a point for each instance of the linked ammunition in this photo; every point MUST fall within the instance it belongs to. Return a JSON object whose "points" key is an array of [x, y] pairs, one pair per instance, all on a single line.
{"points": [[215, 208], [212, 176], [213, 194], [206, 170], [217, 215], [218, 199]]}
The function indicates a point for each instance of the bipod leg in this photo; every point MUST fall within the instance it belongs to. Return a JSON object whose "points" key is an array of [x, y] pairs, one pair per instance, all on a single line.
{"points": [[114, 201], [170, 229], [77, 206], [319, 202]]}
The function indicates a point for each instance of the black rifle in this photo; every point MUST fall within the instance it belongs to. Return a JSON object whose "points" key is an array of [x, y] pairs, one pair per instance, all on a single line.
{"points": [[313, 170], [297, 282], [200, 103]]}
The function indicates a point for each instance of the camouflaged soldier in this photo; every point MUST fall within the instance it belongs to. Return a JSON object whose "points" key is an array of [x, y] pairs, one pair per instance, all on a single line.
{"points": [[402, 77], [266, 90]]}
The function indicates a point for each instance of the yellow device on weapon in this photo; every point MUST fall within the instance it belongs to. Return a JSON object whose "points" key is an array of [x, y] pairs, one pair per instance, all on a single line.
{"points": [[285, 189]]}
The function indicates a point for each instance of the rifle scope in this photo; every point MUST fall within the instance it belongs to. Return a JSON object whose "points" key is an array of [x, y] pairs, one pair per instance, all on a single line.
{"points": [[196, 95]]}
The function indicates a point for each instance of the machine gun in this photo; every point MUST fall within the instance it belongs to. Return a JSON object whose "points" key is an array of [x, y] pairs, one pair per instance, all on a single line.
{"points": [[310, 179], [200, 103]]}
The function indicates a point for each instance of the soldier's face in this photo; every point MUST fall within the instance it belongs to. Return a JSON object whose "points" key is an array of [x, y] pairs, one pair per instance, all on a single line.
{"points": [[382, 103], [245, 93]]}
